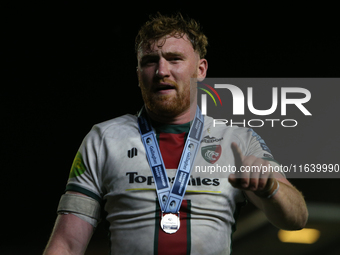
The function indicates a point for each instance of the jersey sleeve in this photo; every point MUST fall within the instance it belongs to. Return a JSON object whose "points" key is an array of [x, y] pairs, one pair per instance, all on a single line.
{"points": [[85, 171], [256, 146], [252, 144]]}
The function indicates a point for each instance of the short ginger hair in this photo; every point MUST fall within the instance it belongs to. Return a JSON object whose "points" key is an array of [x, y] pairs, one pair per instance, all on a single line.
{"points": [[177, 26]]}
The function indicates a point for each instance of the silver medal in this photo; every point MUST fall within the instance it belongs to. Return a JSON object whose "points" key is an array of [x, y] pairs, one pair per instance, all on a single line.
{"points": [[170, 223]]}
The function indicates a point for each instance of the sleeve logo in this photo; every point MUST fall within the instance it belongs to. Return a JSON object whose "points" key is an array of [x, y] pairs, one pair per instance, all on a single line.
{"points": [[78, 167]]}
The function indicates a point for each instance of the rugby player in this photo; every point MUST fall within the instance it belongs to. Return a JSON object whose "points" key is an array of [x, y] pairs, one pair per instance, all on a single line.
{"points": [[113, 167]]}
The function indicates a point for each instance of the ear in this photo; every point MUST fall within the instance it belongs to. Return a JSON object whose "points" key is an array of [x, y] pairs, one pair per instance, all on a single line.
{"points": [[137, 72], [202, 69]]}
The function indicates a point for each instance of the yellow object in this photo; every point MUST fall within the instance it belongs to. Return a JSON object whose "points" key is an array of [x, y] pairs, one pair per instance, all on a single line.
{"points": [[306, 236]]}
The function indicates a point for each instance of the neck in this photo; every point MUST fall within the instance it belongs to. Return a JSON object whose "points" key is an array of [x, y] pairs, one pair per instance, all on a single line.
{"points": [[181, 118]]}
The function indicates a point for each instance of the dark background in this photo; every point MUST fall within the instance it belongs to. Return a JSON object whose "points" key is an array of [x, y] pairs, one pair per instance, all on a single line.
{"points": [[68, 66]]}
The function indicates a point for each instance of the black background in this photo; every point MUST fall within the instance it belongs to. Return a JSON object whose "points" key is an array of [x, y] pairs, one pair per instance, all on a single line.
{"points": [[69, 66]]}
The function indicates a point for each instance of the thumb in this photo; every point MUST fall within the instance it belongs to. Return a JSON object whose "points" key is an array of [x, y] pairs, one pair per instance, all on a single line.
{"points": [[238, 155]]}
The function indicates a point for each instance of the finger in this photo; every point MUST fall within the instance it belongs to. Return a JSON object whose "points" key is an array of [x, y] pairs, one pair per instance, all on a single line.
{"points": [[239, 182], [267, 190], [233, 180], [238, 155], [244, 180], [254, 180], [246, 176], [265, 183], [265, 176], [258, 176]]}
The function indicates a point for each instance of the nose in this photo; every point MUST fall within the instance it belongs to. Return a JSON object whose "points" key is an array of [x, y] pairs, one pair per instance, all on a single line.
{"points": [[162, 70]]}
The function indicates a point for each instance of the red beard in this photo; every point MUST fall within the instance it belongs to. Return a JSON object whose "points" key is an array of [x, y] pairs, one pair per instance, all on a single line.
{"points": [[171, 104]]}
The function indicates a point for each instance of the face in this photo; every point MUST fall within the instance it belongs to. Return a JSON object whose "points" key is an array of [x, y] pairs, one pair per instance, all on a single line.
{"points": [[164, 74]]}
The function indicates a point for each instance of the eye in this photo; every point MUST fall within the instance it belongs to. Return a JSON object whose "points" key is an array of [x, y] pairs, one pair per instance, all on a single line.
{"points": [[174, 59], [149, 61]]}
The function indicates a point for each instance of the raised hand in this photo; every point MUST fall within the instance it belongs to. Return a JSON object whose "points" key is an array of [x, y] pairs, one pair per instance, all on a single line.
{"points": [[252, 174]]}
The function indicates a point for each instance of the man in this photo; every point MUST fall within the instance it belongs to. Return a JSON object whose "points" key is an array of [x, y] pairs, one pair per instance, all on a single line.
{"points": [[114, 164]]}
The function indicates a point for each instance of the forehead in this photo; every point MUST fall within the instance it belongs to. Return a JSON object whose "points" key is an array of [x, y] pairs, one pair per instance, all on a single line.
{"points": [[168, 44]]}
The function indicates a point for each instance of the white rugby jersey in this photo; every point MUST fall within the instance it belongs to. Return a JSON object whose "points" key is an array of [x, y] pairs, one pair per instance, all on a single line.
{"points": [[111, 166]]}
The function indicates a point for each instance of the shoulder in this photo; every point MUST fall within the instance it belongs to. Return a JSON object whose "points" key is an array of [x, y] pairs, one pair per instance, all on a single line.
{"points": [[216, 127], [247, 139], [121, 123], [113, 128]]}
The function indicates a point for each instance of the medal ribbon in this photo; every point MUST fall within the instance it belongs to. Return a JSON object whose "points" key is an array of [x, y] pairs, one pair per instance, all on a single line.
{"points": [[170, 199]]}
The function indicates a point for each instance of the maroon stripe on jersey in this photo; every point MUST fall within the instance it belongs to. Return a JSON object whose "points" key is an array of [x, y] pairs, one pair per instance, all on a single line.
{"points": [[177, 243], [171, 147]]}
